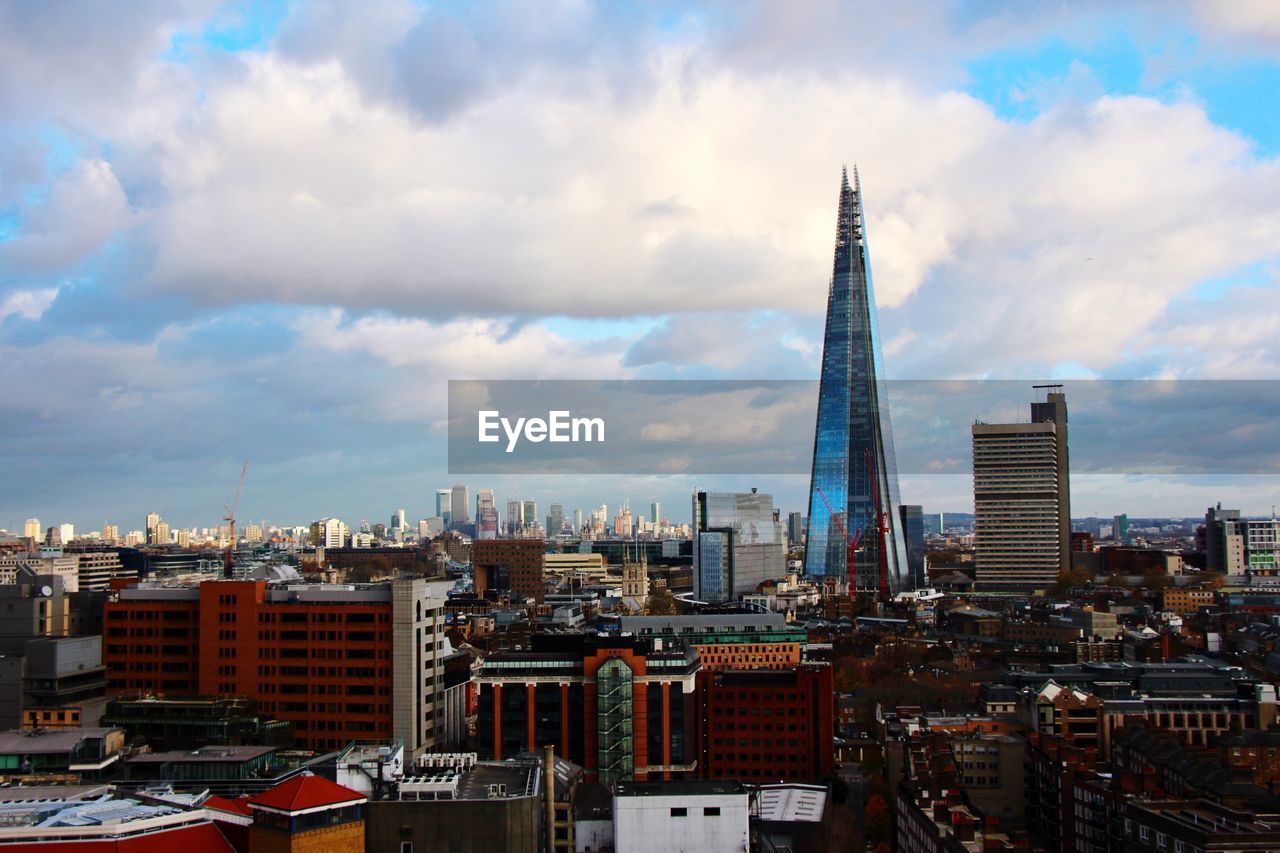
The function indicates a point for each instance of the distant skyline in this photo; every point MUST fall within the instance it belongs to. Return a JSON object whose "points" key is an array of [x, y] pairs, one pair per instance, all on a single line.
{"points": [[275, 231]]}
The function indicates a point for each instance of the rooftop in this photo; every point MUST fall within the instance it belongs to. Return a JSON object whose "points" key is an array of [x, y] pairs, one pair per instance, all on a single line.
{"points": [[205, 754], [681, 788], [305, 792]]}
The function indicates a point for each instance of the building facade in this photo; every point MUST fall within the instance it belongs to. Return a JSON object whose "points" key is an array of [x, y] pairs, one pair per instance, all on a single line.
{"points": [[1021, 523], [738, 544], [341, 662]]}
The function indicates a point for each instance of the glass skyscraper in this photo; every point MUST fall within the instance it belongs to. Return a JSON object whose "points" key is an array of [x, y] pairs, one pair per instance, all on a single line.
{"points": [[853, 459]]}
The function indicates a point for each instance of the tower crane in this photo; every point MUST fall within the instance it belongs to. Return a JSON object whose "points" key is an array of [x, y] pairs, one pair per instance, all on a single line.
{"points": [[230, 517], [882, 523], [852, 542]]}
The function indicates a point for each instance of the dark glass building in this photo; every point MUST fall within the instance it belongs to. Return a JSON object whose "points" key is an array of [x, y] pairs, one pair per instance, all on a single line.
{"points": [[853, 460]]}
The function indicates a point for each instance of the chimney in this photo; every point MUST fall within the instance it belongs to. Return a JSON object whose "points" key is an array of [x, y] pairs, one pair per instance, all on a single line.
{"points": [[549, 795]]}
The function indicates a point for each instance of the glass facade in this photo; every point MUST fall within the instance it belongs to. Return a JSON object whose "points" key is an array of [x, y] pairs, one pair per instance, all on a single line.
{"points": [[614, 722], [739, 543], [853, 457]]}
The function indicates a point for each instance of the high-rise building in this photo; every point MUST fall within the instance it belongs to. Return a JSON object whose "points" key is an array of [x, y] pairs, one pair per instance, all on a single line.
{"points": [[577, 521], [1120, 529], [738, 544], [622, 524], [31, 529], [913, 533], [331, 533], [655, 513], [515, 516], [444, 505], [555, 521], [854, 481], [111, 532], [486, 514], [530, 514], [67, 531], [795, 528], [1224, 540], [153, 518], [1022, 521], [398, 521], [460, 517]]}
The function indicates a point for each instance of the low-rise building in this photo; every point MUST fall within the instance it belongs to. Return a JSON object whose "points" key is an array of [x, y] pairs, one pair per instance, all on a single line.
{"points": [[681, 817]]}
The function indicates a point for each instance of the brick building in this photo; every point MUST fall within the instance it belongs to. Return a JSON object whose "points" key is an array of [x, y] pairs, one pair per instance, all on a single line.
{"points": [[620, 707], [508, 564], [767, 725], [341, 662]]}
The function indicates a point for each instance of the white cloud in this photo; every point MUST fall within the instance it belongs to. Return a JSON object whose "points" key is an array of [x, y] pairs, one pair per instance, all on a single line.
{"points": [[28, 304]]}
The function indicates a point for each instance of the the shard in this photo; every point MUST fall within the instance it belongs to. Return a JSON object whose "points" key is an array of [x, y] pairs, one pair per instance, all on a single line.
{"points": [[853, 492]]}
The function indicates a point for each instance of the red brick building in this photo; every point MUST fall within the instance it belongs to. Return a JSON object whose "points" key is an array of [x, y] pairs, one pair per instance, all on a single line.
{"points": [[341, 662], [508, 564], [767, 725]]}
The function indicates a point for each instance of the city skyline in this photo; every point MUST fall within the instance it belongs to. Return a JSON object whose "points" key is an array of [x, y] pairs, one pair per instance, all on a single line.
{"points": [[181, 289]]}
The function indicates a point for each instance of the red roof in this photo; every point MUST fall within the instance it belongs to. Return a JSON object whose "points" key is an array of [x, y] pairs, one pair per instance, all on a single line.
{"points": [[306, 792], [240, 805]]}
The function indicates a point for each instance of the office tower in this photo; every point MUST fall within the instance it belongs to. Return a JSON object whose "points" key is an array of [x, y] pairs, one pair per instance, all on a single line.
{"points": [[162, 532], [53, 536], [655, 513], [530, 515], [398, 520], [515, 516], [458, 503], [913, 533], [67, 531], [331, 533], [1224, 541], [1120, 529], [486, 514], [374, 672], [555, 521], [795, 528], [110, 532], [738, 544], [1021, 525], [31, 529], [444, 505], [153, 518], [577, 522], [854, 480]]}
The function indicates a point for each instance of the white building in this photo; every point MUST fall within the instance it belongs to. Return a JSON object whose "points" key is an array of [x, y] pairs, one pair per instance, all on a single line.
{"points": [[693, 816]]}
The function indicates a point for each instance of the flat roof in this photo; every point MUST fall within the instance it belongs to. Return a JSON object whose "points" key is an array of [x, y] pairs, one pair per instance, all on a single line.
{"points": [[680, 788], [205, 754]]}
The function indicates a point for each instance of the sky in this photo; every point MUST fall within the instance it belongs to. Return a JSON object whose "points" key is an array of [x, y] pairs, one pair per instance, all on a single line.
{"points": [[274, 231]]}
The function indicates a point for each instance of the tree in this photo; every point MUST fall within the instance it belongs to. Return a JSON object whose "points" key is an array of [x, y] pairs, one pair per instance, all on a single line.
{"points": [[661, 603], [877, 820]]}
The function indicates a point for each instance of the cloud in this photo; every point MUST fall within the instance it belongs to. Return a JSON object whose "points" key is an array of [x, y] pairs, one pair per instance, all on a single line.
{"points": [[85, 207], [28, 304]]}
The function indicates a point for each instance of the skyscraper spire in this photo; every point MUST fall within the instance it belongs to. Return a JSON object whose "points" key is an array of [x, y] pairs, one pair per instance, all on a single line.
{"points": [[854, 487]]}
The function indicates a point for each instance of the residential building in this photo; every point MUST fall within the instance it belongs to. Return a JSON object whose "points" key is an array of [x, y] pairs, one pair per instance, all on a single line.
{"points": [[1022, 520]]}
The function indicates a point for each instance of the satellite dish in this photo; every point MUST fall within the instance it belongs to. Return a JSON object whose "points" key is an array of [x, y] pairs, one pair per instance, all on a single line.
{"points": [[46, 591]]}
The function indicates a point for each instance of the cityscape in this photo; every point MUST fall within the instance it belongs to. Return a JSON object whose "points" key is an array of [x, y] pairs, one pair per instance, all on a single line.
{"points": [[254, 598]]}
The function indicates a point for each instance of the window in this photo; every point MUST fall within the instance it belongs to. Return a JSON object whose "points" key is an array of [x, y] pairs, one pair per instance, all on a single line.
{"points": [[406, 847], [679, 811], [711, 811]]}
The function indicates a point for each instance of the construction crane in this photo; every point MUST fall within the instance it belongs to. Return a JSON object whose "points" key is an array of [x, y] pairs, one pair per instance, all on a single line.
{"points": [[851, 541], [228, 566]]}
